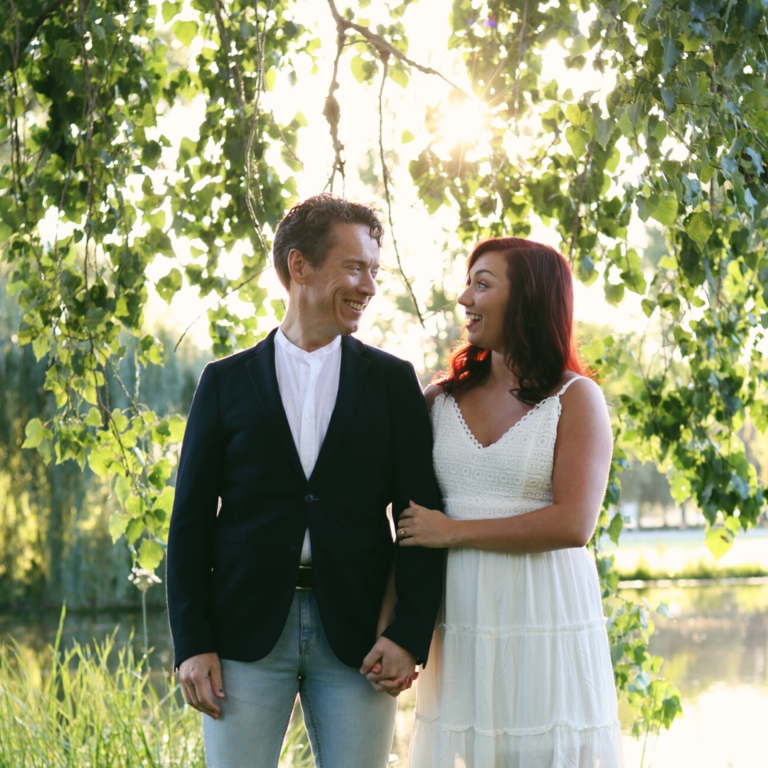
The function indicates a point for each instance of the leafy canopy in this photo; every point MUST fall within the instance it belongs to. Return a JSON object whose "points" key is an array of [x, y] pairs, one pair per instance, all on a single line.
{"points": [[92, 194]]}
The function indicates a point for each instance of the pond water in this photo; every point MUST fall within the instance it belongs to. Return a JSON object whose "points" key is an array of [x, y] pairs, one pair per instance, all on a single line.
{"points": [[715, 648]]}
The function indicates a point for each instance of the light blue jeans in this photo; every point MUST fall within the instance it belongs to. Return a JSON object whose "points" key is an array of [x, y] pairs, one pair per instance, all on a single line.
{"points": [[349, 724]]}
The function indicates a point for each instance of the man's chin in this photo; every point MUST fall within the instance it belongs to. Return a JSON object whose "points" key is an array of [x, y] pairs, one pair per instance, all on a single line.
{"points": [[347, 328]]}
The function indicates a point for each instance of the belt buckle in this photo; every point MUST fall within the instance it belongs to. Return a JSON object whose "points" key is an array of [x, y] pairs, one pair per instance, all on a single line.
{"points": [[304, 580]]}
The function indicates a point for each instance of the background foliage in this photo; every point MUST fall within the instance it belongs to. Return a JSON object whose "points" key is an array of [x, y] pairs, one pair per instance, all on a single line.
{"points": [[93, 196]]}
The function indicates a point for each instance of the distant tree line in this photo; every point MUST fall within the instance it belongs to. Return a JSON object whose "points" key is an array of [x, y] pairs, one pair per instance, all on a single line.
{"points": [[55, 542]]}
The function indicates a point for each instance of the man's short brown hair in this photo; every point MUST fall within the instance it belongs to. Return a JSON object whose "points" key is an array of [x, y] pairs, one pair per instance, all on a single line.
{"points": [[308, 227]]}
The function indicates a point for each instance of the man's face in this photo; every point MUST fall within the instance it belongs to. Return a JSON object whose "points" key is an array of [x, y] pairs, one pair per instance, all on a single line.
{"points": [[337, 293]]}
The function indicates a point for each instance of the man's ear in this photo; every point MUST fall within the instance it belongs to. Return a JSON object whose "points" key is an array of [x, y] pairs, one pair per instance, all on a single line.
{"points": [[298, 266]]}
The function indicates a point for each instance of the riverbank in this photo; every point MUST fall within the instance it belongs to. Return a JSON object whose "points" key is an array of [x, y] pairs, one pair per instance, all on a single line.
{"points": [[671, 556]]}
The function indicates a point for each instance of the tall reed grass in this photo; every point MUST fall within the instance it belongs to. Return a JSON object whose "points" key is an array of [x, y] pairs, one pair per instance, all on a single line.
{"points": [[98, 706]]}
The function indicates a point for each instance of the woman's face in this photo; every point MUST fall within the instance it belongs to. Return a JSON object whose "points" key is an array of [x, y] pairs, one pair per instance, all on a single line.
{"points": [[485, 301]]}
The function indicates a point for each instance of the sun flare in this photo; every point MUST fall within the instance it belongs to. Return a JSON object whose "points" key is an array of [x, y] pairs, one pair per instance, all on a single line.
{"points": [[462, 123]]}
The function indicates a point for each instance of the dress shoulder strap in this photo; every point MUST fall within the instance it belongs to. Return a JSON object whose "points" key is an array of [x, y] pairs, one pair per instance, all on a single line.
{"points": [[568, 384], [437, 408]]}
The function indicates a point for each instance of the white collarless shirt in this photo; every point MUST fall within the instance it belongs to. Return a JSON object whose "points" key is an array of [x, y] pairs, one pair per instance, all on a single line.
{"points": [[308, 384]]}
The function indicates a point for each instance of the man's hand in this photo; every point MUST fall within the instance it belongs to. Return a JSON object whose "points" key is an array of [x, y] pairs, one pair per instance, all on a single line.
{"points": [[389, 668], [200, 681]]}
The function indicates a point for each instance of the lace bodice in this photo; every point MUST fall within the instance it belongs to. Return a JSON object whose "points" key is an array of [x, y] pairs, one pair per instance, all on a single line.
{"points": [[512, 476]]}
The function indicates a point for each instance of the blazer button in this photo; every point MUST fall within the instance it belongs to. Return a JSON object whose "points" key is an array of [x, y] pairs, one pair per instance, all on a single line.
{"points": [[309, 498]]}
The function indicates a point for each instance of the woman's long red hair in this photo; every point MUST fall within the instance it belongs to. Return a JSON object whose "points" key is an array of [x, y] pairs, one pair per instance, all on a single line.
{"points": [[538, 325]]}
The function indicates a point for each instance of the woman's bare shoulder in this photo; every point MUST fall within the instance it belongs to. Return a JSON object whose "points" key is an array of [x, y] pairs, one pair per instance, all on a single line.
{"points": [[431, 393], [582, 397]]}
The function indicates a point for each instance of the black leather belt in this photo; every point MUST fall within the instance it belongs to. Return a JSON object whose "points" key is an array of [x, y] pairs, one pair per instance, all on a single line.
{"points": [[305, 579]]}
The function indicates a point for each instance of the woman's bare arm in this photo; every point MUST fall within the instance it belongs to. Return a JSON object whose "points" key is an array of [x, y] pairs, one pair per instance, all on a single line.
{"points": [[581, 465]]}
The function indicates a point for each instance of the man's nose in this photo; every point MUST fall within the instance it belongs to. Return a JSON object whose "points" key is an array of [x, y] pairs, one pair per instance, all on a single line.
{"points": [[368, 285]]}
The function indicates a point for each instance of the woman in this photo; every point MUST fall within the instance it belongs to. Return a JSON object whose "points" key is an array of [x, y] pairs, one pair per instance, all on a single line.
{"points": [[520, 672]]}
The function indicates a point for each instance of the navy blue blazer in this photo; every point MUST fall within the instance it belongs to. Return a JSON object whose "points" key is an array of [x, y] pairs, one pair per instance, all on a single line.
{"points": [[231, 575]]}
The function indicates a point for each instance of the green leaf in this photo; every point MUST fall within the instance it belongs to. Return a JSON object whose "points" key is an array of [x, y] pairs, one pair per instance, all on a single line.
{"points": [[169, 285], [119, 421], [749, 13], [177, 425], [647, 306], [680, 487], [160, 473], [614, 293], [122, 488], [615, 527], [164, 501], [185, 32], [41, 346], [150, 554], [673, 52], [100, 460], [666, 212], [398, 75], [35, 433], [718, 541], [575, 116], [406, 137], [94, 418], [134, 529], [362, 69], [170, 9], [117, 525], [594, 350], [699, 227], [578, 139]]}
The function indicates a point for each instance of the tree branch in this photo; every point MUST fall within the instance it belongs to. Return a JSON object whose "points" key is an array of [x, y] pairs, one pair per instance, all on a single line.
{"points": [[577, 211], [385, 179], [332, 113], [384, 47]]}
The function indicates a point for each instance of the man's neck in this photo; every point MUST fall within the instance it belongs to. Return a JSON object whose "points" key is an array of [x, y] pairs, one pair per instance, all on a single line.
{"points": [[304, 334]]}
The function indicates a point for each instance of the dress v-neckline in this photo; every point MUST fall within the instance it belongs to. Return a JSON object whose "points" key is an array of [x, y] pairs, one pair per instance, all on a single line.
{"points": [[521, 420]]}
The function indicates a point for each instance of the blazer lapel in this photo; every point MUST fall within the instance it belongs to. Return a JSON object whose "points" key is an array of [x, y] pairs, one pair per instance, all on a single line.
{"points": [[261, 370], [354, 367]]}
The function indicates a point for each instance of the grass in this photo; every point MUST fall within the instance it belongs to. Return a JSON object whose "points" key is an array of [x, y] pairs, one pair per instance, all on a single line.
{"points": [[98, 706], [699, 569]]}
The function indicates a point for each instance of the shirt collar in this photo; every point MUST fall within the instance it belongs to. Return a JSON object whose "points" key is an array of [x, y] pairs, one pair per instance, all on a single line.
{"points": [[288, 346]]}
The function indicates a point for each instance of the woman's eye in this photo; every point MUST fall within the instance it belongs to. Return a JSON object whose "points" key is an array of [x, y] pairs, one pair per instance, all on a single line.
{"points": [[481, 284]]}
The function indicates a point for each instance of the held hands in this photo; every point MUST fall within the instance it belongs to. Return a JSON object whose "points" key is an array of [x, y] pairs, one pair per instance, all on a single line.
{"points": [[422, 527], [389, 668], [201, 681]]}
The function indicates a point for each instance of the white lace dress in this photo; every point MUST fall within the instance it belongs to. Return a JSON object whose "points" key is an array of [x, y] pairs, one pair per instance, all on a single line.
{"points": [[519, 673]]}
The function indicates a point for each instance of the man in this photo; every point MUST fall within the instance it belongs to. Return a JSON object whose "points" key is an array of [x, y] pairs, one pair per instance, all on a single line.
{"points": [[280, 551]]}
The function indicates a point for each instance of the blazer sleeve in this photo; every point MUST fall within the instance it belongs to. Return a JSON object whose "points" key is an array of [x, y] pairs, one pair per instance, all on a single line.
{"points": [[189, 556], [418, 570]]}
